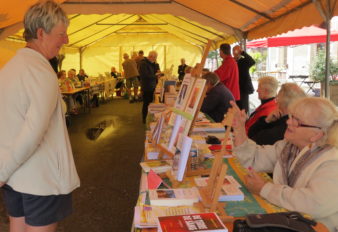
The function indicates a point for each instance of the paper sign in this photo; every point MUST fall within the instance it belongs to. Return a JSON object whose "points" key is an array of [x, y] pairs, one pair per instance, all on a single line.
{"points": [[154, 180]]}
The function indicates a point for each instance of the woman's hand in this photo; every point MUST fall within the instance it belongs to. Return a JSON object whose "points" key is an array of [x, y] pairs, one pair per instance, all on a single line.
{"points": [[273, 116], [254, 182], [238, 124]]}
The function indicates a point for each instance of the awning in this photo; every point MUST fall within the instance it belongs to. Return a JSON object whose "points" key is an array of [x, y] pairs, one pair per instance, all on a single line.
{"points": [[306, 35]]}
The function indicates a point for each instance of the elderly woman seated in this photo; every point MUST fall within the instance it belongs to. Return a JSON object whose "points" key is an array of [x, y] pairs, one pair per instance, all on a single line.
{"points": [[267, 91], [269, 129], [304, 164]]}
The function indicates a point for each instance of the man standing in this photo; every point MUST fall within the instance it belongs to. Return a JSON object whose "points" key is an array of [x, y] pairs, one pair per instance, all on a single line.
{"points": [[181, 69], [148, 81], [131, 74], [244, 62], [228, 71]]}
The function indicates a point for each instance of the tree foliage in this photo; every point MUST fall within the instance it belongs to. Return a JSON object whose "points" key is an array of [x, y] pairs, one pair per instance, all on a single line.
{"points": [[317, 71]]}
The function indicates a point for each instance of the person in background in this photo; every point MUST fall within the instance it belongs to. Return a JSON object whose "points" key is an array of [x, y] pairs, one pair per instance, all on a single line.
{"points": [[228, 71], [119, 81], [269, 129], [131, 73], [181, 70], [139, 58], [138, 61], [113, 72], [38, 172], [54, 62], [148, 71], [205, 71], [267, 91], [304, 163], [217, 99], [244, 62], [82, 75], [72, 77]]}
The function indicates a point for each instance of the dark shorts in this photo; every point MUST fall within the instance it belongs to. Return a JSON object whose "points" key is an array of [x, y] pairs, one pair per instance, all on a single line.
{"points": [[37, 210]]}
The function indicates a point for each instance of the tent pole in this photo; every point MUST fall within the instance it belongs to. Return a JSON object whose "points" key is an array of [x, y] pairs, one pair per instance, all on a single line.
{"points": [[245, 36], [81, 51], [165, 56], [326, 15], [327, 59]]}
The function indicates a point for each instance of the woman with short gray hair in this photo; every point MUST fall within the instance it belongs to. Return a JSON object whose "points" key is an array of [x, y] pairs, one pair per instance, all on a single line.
{"points": [[304, 163], [271, 128], [37, 171]]}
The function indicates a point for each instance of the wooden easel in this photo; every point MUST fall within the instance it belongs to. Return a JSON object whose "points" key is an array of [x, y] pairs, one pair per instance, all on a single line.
{"points": [[210, 194], [197, 73]]}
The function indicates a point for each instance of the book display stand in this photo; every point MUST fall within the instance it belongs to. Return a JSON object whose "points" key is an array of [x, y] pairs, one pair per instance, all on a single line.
{"points": [[210, 194]]}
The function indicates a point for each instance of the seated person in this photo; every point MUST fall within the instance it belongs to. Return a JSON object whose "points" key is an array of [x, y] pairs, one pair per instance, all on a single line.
{"points": [[270, 129], [217, 99], [205, 71], [75, 82], [267, 91], [82, 75], [72, 76], [304, 164]]}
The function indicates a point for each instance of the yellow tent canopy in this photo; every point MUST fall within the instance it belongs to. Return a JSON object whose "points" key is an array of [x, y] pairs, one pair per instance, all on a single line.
{"points": [[101, 31]]}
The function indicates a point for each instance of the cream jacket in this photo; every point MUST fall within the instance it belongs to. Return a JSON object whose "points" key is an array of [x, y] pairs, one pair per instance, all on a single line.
{"points": [[315, 191], [35, 152]]}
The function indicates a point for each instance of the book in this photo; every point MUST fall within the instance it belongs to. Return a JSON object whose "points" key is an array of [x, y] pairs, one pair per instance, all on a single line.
{"points": [[157, 166], [147, 216], [230, 188], [208, 127], [206, 222], [174, 197]]}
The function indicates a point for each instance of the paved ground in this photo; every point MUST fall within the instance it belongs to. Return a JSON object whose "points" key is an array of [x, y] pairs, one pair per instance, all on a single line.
{"points": [[108, 168]]}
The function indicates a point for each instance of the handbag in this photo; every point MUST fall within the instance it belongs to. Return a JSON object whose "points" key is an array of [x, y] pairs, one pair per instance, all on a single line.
{"points": [[274, 222]]}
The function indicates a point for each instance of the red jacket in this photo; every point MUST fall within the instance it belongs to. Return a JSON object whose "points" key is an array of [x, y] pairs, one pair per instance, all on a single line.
{"points": [[263, 110], [228, 75]]}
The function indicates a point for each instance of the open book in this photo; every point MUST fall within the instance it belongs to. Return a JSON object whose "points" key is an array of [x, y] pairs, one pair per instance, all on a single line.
{"points": [[230, 189]]}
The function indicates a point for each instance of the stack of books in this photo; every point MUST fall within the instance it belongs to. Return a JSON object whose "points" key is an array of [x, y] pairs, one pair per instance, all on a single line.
{"points": [[147, 216], [156, 108], [208, 127], [158, 166]]}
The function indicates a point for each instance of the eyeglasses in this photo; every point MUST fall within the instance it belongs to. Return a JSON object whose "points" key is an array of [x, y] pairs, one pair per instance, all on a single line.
{"points": [[299, 124]]}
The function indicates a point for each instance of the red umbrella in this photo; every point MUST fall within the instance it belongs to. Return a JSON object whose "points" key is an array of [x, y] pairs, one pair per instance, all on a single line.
{"points": [[306, 35]]}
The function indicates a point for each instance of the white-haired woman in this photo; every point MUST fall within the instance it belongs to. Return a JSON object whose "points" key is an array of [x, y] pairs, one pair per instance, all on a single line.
{"points": [[37, 170], [269, 129], [267, 91], [304, 164]]}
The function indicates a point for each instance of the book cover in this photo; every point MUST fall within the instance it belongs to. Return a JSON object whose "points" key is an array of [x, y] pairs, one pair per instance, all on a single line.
{"points": [[174, 197], [207, 222], [157, 166], [195, 97]]}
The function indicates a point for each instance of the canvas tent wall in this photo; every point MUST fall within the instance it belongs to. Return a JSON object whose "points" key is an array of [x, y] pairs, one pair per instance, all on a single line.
{"points": [[232, 19]]}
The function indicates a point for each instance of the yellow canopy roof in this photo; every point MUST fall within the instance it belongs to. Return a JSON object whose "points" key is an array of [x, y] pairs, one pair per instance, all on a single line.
{"points": [[258, 18], [167, 25]]}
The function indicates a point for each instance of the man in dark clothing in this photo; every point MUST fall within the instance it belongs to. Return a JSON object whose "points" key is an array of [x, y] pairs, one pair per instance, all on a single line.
{"points": [[147, 73], [181, 69], [54, 63], [244, 62], [218, 97]]}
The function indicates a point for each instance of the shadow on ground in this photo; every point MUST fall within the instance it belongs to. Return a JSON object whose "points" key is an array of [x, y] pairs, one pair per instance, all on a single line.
{"points": [[108, 145]]}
